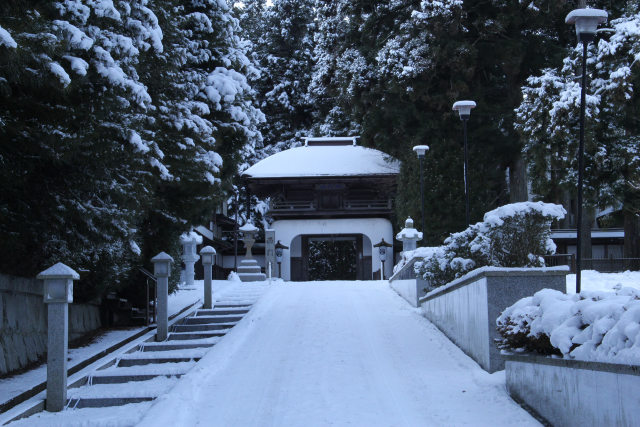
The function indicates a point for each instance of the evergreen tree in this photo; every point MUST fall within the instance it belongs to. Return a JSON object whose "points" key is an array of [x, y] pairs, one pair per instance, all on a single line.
{"points": [[549, 119]]}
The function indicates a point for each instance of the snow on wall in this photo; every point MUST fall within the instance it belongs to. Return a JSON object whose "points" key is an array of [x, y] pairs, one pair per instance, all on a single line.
{"points": [[374, 229], [571, 393]]}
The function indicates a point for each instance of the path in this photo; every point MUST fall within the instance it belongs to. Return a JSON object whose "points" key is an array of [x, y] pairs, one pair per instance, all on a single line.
{"points": [[336, 353]]}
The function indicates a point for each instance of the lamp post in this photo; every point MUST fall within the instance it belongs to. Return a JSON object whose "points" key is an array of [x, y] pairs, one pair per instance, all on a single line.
{"points": [[279, 251], [464, 110], [586, 22], [207, 255], [162, 270], [382, 251], [421, 150], [58, 294]]}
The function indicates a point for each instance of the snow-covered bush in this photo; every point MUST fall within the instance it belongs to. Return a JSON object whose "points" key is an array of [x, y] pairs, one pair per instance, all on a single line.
{"points": [[514, 235], [594, 326]]}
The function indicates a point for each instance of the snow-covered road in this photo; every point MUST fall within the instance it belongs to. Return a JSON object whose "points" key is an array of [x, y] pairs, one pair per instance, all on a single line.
{"points": [[336, 353]]}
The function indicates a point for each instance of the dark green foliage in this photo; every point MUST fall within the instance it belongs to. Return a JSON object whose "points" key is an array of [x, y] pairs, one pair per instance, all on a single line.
{"points": [[332, 260], [104, 165]]}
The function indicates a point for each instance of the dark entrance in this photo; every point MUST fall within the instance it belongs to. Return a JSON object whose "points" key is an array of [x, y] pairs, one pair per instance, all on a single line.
{"points": [[331, 257]]}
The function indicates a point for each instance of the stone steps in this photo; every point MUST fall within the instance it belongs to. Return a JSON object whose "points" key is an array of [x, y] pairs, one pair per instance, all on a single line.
{"points": [[178, 336], [202, 327], [123, 379], [153, 368], [102, 402], [125, 363], [211, 319], [172, 347], [220, 311]]}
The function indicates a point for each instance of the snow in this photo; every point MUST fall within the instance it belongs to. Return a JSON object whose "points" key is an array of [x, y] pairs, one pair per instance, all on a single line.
{"points": [[184, 297], [16, 384], [347, 160], [336, 353], [248, 227], [6, 39], [595, 281], [57, 271], [597, 326], [60, 73], [78, 65], [495, 218], [191, 236]]}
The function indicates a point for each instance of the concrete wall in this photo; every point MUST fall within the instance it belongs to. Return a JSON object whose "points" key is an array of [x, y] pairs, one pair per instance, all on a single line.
{"points": [[575, 393], [373, 228], [467, 308], [405, 283], [23, 322]]}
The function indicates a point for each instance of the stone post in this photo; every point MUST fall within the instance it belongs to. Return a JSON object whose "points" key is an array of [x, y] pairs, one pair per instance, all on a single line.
{"points": [[409, 236], [207, 254], [58, 293], [270, 248], [162, 270], [189, 256]]}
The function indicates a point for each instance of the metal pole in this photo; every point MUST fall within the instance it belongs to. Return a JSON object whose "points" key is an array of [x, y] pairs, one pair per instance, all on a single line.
{"points": [[466, 172], [235, 236], [579, 225], [279, 270], [147, 301], [422, 190]]}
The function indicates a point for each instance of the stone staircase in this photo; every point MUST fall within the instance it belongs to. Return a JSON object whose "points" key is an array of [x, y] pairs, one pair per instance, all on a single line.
{"points": [[153, 368]]}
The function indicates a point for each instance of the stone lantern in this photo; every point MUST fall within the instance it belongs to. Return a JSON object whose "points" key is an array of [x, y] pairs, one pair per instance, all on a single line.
{"points": [[382, 252], [190, 256], [208, 255], [249, 270], [409, 236], [58, 293], [279, 254], [162, 270]]}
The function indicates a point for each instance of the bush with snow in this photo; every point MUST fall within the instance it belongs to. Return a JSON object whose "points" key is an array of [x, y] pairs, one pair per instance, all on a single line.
{"points": [[593, 325], [514, 235]]}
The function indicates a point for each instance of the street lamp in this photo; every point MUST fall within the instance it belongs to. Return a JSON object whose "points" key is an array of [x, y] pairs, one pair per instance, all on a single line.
{"points": [[382, 251], [586, 22], [421, 150], [279, 249], [464, 109]]}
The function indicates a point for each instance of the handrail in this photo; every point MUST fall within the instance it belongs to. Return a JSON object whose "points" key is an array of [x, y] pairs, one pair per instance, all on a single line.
{"points": [[148, 274]]}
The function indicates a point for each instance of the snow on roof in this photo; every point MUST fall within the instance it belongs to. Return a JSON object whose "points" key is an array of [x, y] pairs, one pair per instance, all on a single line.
{"points": [[341, 160]]}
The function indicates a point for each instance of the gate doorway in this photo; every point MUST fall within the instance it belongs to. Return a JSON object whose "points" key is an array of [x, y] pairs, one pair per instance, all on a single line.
{"points": [[331, 257]]}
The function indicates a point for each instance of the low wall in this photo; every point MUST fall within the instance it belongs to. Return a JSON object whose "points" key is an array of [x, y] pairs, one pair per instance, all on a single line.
{"points": [[575, 393], [23, 322], [405, 283], [466, 309]]}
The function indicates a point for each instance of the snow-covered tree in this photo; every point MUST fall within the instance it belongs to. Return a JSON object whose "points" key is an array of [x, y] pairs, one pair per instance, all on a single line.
{"points": [[549, 120], [117, 117]]}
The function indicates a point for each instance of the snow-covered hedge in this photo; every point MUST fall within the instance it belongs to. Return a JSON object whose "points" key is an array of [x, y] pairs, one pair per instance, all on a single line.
{"points": [[593, 325], [514, 235]]}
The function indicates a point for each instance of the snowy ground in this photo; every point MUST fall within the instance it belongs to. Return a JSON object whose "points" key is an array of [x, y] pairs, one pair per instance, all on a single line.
{"points": [[325, 353], [336, 353], [593, 281], [14, 385]]}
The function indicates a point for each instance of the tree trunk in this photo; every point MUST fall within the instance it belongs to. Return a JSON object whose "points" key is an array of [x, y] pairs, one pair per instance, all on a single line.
{"points": [[588, 217], [631, 234], [518, 191]]}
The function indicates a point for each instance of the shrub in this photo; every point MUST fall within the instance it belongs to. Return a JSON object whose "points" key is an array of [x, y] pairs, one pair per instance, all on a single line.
{"points": [[598, 326], [514, 235]]}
